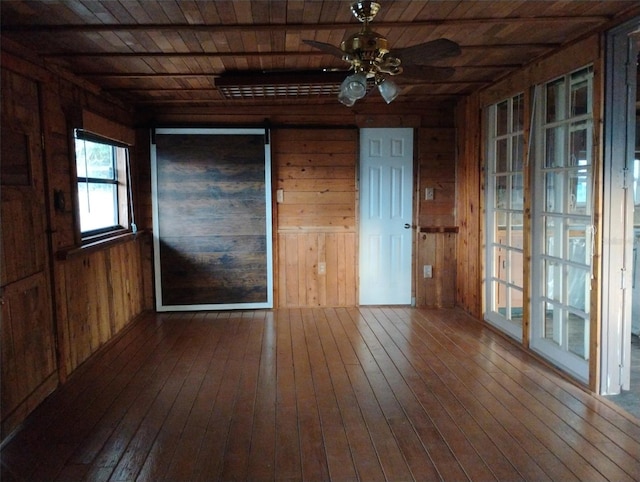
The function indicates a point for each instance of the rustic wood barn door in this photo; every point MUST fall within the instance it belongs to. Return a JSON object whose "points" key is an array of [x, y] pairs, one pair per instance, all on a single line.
{"points": [[212, 219], [29, 371]]}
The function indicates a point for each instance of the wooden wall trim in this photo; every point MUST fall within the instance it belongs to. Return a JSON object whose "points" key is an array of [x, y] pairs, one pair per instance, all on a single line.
{"points": [[439, 229]]}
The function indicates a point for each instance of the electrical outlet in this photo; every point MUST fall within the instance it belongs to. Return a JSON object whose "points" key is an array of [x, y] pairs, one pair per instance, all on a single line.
{"points": [[322, 268], [429, 194], [427, 271]]}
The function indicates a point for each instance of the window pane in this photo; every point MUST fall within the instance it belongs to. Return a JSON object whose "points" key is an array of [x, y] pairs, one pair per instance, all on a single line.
{"points": [[501, 192], [517, 220], [499, 254], [502, 160], [552, 323], [554, 280], [578, 154], [95, 160], [515, 268], [577, 287], [578, 333], [579, 192], [577, 242], [517, 192], [517, 160], [97, 206], [555, 101], [516, 305], [518, 113], [554, 147], [552, 246], [580, 102], [502, 118], [553, 192], [499, 297]]}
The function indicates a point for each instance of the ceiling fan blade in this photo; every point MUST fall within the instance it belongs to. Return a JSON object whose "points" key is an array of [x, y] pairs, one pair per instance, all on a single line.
{"points": [[326, 48], [423, 54], [425, 73]]}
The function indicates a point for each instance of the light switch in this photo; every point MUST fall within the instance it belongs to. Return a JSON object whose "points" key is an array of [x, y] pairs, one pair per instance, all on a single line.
{"points": [[428, 194]]}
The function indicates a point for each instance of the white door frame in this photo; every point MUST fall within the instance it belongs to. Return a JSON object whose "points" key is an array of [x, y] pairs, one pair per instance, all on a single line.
{"points": [[617, 236]]}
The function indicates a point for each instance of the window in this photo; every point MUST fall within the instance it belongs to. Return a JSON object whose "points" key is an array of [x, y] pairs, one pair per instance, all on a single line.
{"points": [[101, 167]]}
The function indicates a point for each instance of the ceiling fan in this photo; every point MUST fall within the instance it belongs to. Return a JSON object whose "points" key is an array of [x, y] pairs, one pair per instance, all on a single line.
{"points": [[372, 62]]}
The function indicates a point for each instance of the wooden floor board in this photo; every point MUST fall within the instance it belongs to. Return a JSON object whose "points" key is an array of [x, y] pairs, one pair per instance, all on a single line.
{"points": [[344, 394]]}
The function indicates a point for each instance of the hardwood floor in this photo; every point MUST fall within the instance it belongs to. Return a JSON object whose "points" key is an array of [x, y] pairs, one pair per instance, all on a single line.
{"points": [[320, 394]]}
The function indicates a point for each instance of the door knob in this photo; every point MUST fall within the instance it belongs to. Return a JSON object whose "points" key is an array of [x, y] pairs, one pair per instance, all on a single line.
{"points": [[407, 225]]}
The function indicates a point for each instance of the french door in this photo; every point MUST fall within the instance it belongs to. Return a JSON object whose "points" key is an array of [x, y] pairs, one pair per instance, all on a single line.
{"points": [[386, 215], [563, 224], [504, 287]]}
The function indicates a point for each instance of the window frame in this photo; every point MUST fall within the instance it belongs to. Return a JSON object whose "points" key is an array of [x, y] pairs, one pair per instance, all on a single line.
{"points": [[122, 179]]}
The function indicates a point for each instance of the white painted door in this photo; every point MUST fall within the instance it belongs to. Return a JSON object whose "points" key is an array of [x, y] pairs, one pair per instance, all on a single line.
{"points": [[386, 215]]}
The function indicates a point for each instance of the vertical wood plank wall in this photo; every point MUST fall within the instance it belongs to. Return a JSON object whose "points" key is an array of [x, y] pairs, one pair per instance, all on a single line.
{"points": [[315, 172], [94, 294], [436, 217], [99, 294], [316, 169], [468, 207], [27, 341]]}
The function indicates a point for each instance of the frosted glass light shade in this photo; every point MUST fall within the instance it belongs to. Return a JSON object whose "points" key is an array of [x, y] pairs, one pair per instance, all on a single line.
{"points": [[388, 90], [345, 99], [354, 86]]}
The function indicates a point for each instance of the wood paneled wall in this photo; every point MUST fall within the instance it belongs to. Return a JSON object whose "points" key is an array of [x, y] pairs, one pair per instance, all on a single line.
{"points": [[94, 294], [27, 339], [98, 295], [468, 207], [437, 249], [315, 171], [436, 217], [437, 170]]}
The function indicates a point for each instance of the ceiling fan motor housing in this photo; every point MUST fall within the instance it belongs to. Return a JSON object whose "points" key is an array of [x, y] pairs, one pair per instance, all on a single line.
{"points": [[367, 51]]}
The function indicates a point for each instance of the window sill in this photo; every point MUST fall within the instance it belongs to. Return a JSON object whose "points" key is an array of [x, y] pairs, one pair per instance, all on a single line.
{"points": [[98, 245]]}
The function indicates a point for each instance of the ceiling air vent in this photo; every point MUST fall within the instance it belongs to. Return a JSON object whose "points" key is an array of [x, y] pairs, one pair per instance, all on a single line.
{"points": [[235, 85]]}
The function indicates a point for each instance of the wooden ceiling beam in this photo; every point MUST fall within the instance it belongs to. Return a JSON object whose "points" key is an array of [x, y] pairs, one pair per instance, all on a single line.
{"points": [[156, 90], [186, 75], [249, 27], [267, 54]]}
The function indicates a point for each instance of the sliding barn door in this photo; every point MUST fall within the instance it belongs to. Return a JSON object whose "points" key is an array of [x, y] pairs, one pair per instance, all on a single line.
{"points": [[212, 219]]}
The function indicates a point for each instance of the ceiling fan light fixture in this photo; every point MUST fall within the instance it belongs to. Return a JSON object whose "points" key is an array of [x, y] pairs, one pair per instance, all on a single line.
{"points": [[388, 90]]}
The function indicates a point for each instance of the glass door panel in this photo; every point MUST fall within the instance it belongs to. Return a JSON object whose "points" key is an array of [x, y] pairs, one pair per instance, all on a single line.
{"points": [[505, 195], [561, 266]]}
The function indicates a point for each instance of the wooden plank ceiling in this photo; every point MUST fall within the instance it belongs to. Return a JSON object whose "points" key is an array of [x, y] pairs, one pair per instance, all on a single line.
{"points": [[153, 53]]}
